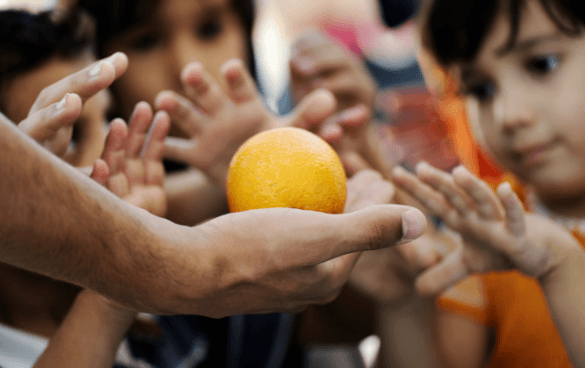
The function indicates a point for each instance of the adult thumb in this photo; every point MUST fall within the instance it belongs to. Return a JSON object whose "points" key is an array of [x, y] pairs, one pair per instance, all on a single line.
{"points": [[377, 227]]}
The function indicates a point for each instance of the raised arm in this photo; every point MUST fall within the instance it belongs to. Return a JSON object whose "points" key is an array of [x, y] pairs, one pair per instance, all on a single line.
{"points": [[60, 223]]}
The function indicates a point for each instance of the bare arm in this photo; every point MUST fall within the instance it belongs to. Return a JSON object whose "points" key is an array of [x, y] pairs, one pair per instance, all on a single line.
{"points": [[89, 336], [563, 288], [500, 235], [60, 223]]}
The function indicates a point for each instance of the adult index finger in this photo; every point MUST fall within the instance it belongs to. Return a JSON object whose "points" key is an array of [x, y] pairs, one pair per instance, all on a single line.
{"points": [[85, 83]]}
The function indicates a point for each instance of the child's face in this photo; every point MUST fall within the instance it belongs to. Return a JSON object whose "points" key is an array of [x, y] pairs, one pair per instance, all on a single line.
{"points": [[89, 130], [180, 31], [527, 106]]}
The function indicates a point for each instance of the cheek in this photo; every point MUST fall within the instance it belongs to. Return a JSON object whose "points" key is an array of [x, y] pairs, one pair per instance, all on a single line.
{"points": [[480, 127], [141, 82]]}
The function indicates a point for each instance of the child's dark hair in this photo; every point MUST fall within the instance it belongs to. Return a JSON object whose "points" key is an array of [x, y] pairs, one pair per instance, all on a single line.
{"points": [[113, 17], [28, 40], [454, 30]]}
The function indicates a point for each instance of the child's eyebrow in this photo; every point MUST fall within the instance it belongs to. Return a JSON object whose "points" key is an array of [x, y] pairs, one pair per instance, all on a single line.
{"points": [[527, 44]]}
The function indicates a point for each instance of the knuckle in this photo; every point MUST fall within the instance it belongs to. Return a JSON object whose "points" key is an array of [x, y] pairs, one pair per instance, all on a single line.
{"points": [[375, 235], [43, 98]]}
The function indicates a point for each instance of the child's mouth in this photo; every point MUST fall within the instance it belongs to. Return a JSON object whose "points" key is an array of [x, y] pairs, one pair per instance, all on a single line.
{"points": [[535, 154]]}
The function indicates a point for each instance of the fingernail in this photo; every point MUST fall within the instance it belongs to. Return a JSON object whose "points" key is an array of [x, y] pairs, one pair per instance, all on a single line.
{"points": [[398, 170], [331, 130], [354, 112], [95, 70], [413, 225], [305, 64], [113, 58], [420, 166], [62, 103]]}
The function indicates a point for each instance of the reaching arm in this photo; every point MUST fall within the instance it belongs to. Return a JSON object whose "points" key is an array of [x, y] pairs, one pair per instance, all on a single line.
{"points": [[500, 235], [60, 223], [89, 336]]}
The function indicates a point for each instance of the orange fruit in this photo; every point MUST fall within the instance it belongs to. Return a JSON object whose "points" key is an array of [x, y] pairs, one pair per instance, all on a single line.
{"points": [[286, 167]]}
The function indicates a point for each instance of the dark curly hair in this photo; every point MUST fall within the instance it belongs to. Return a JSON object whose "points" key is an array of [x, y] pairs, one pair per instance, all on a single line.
{"points": [[28, 40]]}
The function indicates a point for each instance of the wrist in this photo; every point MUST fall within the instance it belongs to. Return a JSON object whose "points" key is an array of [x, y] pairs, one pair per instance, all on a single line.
{"points": [[559, 274], [114, 312]]}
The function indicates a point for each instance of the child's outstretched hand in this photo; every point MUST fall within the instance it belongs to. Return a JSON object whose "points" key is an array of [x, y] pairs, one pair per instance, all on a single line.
{"points": [[319, 62], [50, 120], [131, 165], [496, 234], [217, 122]]}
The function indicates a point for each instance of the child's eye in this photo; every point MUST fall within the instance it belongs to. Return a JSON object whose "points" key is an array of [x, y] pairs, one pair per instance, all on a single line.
{"points": [[210, 29], [481, 91], [543, 64], [145, 42]]}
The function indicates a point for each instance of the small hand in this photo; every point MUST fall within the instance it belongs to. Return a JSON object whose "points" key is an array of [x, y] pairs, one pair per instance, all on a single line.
{"points": [[319, 62], [216, 123], [386, 276], [131, 165], [496, 233], [50, 120]]}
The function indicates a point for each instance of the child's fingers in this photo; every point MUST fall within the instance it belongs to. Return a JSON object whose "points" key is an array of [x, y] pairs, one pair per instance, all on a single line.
{"points": [[203, 89], [100, 172], [325, 58], [84, 83], [154, 149], [114, 156], [349, 121], [182, 111], [448, 272], [179, 150], [114, 149], [486, 202], [137, 128], [307, 41], [313, 110], [353, 163], [514, 210], [155, 141], [431, 199], [344, 84], [45, 123], [444, 183], [241, 86], [360, 183]]}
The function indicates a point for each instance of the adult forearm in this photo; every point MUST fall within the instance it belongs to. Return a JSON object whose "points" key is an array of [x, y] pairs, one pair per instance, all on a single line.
{"points": [[564, 288], [58, 222]]}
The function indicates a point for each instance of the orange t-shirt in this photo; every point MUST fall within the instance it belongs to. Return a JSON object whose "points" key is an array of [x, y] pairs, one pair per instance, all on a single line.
{"points": [[509, 302], [515, 307]]}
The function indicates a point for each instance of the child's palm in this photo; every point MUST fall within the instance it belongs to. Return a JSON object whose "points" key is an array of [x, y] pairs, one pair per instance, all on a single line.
{"points": [[216, 123], [133, 158], [493, 229]]}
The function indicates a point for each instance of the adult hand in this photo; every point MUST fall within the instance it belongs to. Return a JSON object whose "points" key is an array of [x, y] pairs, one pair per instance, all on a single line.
{"points": [[279, 259], [51, 118], [65, 225]]}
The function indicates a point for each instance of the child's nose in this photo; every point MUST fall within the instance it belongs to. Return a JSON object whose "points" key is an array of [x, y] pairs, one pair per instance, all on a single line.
{"points": [[513, 110]]}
